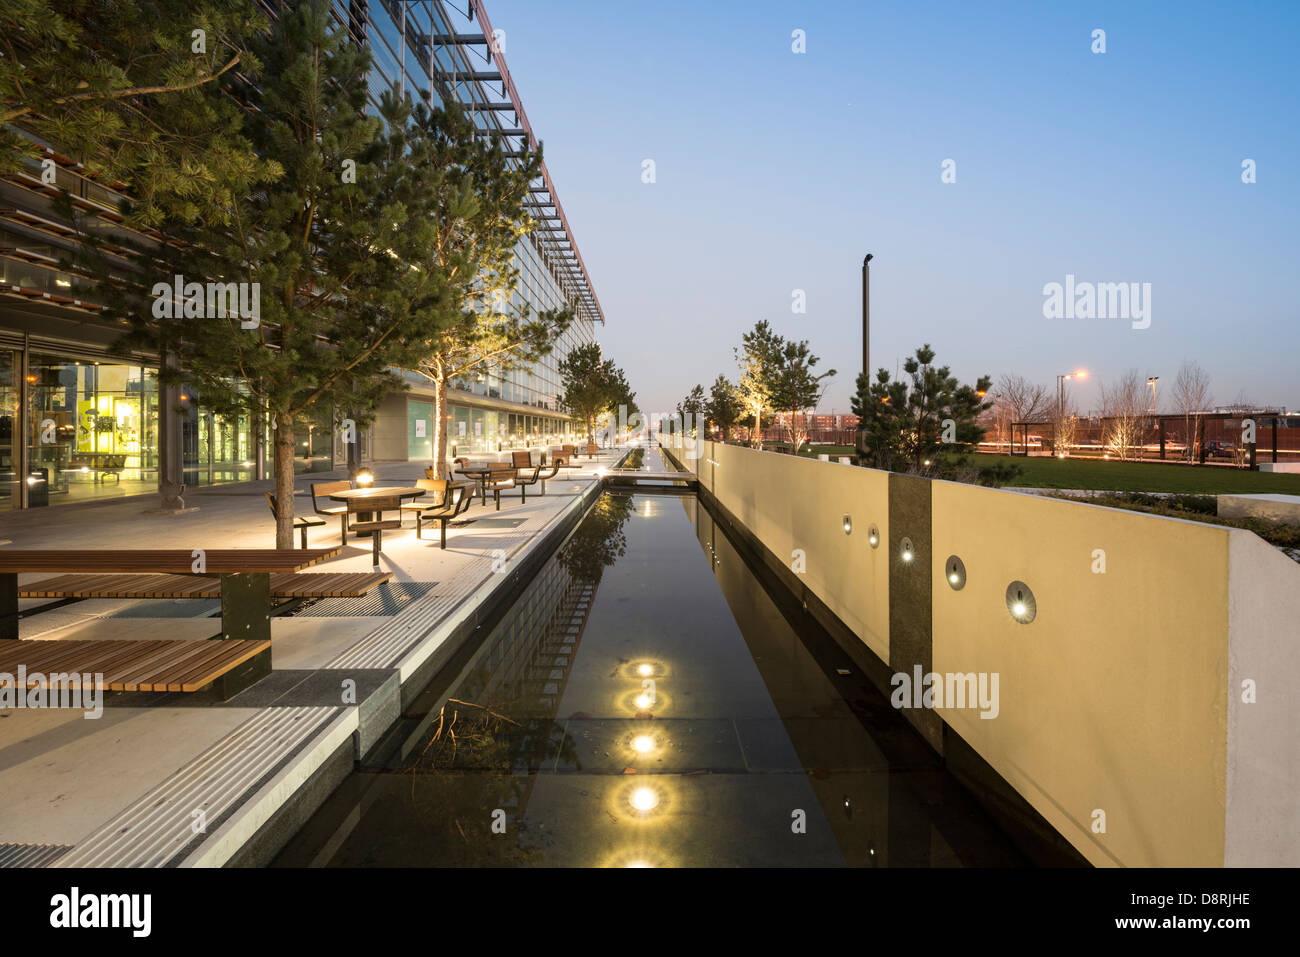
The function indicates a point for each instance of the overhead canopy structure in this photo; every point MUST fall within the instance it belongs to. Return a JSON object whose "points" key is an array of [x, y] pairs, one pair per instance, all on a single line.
{"points": [[471, 70]]}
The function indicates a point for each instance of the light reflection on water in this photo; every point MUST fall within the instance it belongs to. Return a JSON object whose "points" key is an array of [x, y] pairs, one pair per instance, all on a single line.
{"points": [[645, 703]]}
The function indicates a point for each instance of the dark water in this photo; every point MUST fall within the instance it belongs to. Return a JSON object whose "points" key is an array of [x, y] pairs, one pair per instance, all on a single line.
{"points": [[749, 749]]}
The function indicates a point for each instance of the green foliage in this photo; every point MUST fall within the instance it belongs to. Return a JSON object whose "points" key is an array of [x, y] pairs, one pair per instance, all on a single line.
{"points": [[122, 86], [474, 199], [759, 357], [923, 424], [694, 403], [724, 407], [592, 386]]}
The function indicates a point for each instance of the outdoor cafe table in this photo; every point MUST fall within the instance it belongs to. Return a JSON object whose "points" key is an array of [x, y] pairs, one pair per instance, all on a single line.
{"points": [[362, 494], [480, 474], [245, 575]]}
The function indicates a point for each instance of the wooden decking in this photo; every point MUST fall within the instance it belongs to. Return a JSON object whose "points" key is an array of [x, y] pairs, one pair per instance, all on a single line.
{"points": [[128, 665], [170, 561], [312, 585]]}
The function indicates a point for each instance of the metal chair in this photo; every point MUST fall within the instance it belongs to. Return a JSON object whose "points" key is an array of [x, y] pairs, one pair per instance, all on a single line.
{"points": [[321, 491], [376, 527], [444, 510], [302, 522]]}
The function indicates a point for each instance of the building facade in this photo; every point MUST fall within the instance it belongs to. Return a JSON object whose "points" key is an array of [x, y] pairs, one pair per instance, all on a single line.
{"points": [[78, 423]]}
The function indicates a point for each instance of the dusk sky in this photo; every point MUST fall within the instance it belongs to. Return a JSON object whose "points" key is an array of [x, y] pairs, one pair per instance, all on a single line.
{"points": [[777, 171]]}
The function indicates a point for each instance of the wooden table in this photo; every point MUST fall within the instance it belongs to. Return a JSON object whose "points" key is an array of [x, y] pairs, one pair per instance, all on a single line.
{"points": [[361, 494], [480, 475], [245, 575]]}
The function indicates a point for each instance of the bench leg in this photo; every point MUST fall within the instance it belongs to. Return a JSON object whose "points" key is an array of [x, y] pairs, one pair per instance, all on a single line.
{"points": [[246, 606], [419, 525], [443, 522], [496, 493], [304, 538], [9, 605], [377, 541], [244, 676], [343, 522]]}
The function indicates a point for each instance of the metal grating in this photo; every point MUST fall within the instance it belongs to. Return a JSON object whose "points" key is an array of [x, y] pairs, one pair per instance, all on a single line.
{"points": [[158, 829], [31, 855], [389, 598]]}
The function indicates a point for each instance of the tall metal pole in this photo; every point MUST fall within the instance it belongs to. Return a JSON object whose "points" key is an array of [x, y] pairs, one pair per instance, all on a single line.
{"points": [[866, 344], [866, 316]]}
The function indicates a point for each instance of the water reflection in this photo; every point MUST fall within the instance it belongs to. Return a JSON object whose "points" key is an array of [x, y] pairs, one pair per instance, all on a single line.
{"points": [[645, 702]]}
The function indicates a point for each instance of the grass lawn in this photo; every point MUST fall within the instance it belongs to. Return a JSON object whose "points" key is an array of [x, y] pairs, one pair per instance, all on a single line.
{"points": [[1141, 476]]}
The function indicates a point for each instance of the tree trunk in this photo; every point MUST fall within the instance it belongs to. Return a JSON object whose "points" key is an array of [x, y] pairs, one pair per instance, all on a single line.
{"points": [[590, 432], [758, 433], [440, 422], [284, 480]]}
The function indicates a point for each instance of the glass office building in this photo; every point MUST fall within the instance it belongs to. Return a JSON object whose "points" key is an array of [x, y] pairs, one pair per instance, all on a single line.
{"points": [[436, 52], [77, 422]]}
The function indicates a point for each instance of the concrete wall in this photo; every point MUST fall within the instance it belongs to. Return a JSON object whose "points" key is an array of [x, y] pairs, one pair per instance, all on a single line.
{"points": [[796, 503], [1122, 696]]}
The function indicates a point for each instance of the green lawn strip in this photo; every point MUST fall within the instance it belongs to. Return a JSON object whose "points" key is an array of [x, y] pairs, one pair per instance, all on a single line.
{"points": [[1141, 476]]}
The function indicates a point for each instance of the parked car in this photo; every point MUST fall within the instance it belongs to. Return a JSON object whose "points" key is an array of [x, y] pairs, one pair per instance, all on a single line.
{"points": [[1221, 450]]}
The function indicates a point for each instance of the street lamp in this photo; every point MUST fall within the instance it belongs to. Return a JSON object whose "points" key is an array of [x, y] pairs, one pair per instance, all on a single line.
{"points": [[1060, 394], [1151, 381]]}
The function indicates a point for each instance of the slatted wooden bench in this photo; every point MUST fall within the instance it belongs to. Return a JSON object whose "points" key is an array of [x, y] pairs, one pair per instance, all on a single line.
{"points": [[129, 665], [245, 589], [310, 585]]}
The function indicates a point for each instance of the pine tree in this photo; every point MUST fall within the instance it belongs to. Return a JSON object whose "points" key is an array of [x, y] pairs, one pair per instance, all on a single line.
{"points": [[476, 205], [923, 424], [328, 248], [134, 90], [590, 383]]}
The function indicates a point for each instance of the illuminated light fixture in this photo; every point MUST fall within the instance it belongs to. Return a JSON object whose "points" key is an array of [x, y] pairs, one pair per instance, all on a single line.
{"points": [[184, 397], [642, 701], [85, 470], [644, 799], [848, 524], [645, 671], [62, 282], [643, 743], [873, 537], [927, 463], [1021, 602], [365, 478], [907, 552], [955, 571], [639, 864]]}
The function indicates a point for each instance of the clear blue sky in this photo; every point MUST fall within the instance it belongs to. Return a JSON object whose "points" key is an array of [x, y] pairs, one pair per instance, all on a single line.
{"points": [[778, 171]]}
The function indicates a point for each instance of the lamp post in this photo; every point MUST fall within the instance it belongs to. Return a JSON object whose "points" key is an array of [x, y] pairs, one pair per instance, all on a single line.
{"points": [[1151, 381], [866, 342], [1060, 397]]}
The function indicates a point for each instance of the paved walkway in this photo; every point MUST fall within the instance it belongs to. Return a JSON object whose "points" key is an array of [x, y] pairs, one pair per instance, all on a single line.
{"points": [[187, 779]]}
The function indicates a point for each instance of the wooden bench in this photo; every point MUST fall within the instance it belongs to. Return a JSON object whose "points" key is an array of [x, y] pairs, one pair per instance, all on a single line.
{"points": [[310, 585], [130, 665], [245, 589]]}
